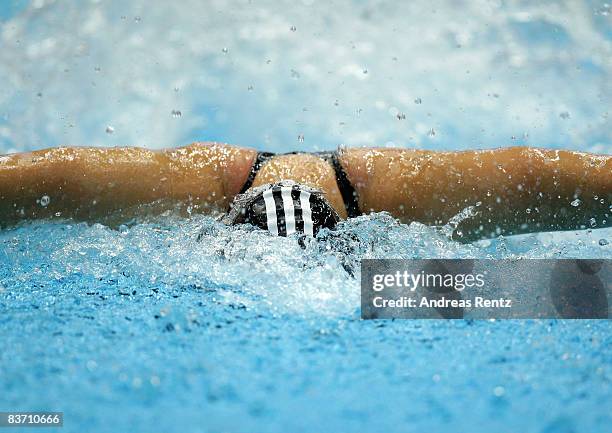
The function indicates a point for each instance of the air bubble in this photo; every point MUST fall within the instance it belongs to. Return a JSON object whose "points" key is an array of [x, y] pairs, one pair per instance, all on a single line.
{"points": [[45, 200], [603, 242], [576, 202], [109, 129], [499, 391]]}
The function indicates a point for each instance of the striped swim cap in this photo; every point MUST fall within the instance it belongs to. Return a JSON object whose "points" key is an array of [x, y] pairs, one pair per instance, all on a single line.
{"points": [[283, 208]]}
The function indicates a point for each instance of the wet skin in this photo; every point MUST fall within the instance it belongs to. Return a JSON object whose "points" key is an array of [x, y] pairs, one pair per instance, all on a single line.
{"points": [[111, 184], [513, 189]]}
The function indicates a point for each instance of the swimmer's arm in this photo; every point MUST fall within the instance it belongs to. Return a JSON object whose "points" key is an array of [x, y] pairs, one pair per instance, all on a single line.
{"points": [[514, 190], [95, 184]]}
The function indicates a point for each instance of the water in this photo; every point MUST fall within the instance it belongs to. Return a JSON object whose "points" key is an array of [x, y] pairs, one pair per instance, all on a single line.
{"points": [[145, 328], [477, 73], [156, 331]]}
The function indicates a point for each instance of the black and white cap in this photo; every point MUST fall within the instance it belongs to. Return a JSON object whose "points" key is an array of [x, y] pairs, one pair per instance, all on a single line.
{"points": [[283, 208]]}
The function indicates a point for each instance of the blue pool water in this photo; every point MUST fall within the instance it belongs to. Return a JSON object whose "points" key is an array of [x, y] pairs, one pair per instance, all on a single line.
{"points": [[145, 329]]}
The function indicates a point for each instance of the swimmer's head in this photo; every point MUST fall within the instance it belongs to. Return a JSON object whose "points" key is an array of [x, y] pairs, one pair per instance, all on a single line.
{"points": [[283, 208]]}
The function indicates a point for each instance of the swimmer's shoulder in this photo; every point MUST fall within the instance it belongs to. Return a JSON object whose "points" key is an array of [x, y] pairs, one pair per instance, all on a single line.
{"points": [[232, 163], [361, 164]]}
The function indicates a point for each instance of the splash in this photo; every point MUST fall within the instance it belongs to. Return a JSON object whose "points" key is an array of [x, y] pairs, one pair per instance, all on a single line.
{"points": [[246, 266], [261, 74]]}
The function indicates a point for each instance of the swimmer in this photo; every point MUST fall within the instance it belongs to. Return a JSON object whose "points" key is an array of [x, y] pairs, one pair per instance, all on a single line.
{"points": [[511, 190]]}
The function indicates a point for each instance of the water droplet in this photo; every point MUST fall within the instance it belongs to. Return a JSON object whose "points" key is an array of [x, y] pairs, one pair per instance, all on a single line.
{"points": [[564, 115], [301, 138], [109, 129], [605, 10], [576, 202], [176, 113], [499, 391], [293, 28], [603, 242], [45, 200], [418, 101], [224, 50]]}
